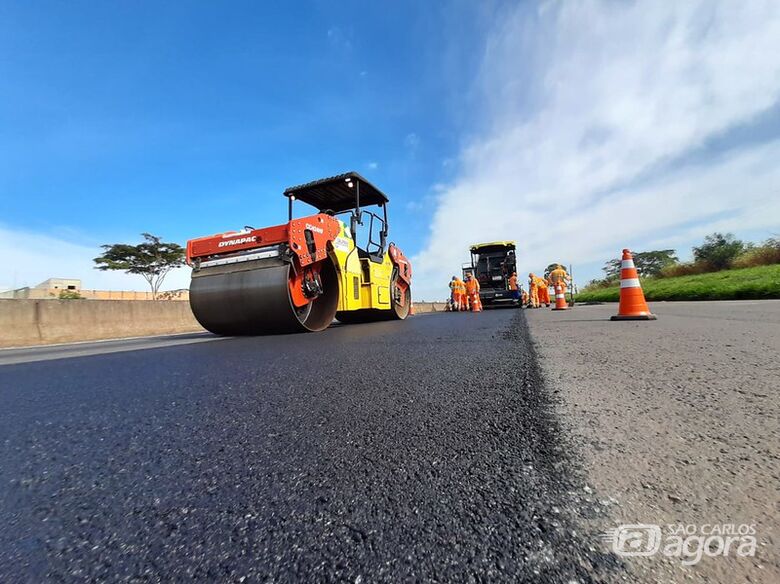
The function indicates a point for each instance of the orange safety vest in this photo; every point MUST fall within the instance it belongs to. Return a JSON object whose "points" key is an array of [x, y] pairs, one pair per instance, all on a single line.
{"points": [[513, 282], [558, 275], [472, 286]]}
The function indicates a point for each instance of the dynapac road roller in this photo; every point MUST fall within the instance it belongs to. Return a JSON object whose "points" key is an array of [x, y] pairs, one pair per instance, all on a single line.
{"points": [[301, 275]]}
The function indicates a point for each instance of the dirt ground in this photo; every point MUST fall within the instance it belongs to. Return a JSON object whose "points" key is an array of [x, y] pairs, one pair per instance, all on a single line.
{"points": [[676, 422]]}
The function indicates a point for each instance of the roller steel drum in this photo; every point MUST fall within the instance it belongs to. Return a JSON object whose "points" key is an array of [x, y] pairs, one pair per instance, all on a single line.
{"points": [[253, 298]]}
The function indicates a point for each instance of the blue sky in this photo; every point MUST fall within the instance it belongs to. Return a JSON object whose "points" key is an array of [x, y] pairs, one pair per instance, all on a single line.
{"points": [[549, 123], [190, 118]]}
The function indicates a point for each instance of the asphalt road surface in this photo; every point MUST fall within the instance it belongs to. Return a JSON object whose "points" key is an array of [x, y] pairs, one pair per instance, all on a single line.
{"points": [[422, 450]]}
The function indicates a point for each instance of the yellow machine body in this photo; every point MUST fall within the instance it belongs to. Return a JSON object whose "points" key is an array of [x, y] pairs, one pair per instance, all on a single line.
{"points": [[363, 282]]}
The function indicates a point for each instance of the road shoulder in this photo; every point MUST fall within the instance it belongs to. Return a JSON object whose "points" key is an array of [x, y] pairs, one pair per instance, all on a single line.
{"points": [[675, 421]]}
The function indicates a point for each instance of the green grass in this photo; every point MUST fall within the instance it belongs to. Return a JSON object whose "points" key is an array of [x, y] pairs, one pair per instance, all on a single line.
{"points": [[747, 283]]}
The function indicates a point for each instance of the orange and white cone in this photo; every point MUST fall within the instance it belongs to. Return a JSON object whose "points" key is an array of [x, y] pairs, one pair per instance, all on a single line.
{"points": [[476, 305], [560, 298], [632, 300]]}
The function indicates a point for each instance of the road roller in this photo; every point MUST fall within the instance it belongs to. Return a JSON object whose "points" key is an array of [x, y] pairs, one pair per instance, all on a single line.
{"points": [[335, 264]]}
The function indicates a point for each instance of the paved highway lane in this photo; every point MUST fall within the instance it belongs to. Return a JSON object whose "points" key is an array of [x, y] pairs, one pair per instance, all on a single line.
{"points": [[84, 349], [383, 452]]}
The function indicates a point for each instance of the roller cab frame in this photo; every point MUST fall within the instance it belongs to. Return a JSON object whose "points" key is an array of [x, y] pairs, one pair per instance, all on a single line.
{"points": [[492, 264], [301, 275]]}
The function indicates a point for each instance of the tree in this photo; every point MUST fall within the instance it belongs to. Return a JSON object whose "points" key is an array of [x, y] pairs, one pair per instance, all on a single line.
{"points": [[648, 263], [612, 269], [718, 250], [152, 259], [70, 295]]}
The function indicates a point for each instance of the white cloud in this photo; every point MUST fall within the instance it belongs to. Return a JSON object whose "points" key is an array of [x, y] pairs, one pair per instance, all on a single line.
{"points": [[30, 258], [412, 141], [339, 38], [373, 165], [582, 99]]}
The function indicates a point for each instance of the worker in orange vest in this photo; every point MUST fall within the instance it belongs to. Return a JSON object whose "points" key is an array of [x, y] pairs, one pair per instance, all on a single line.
{"points": [[472, 292], [461, 302], [543, 287], [533, 291], [559, 277], [455, 293], [460, 294], [513, 287]]}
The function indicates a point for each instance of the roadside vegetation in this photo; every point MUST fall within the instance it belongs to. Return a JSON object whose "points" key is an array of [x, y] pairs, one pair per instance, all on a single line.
{"points": [[70, 295], [152, 259], [723, 268]]}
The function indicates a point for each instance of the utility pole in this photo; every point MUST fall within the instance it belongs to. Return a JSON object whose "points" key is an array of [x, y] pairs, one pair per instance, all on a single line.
{"points": [[571, 288]]}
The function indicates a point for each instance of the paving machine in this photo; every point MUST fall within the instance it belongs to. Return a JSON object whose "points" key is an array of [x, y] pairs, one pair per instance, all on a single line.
{"points": [[301, 275], [492, 264]]}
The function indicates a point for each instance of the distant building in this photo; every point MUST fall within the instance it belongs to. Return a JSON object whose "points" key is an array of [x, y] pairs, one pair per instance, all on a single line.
{"points": [[52, 288], [60, 284]]}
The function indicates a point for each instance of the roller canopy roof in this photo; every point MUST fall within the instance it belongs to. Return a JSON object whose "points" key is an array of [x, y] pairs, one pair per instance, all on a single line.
{"points": [[335, 193]]}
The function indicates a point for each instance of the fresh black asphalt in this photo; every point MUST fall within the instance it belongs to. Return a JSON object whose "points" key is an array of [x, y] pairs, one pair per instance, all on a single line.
{"points": [[424, 450]]}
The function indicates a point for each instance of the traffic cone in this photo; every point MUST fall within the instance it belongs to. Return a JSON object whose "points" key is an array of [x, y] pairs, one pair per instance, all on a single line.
{"points": [[632, 300], [476, 305], [560, 298]]}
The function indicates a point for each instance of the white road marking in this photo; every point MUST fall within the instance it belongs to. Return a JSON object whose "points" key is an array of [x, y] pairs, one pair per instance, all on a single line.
{"points": [[102, 347]]}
